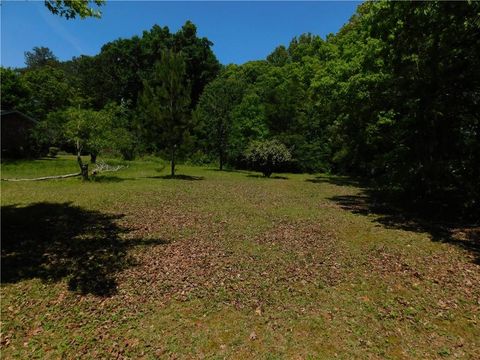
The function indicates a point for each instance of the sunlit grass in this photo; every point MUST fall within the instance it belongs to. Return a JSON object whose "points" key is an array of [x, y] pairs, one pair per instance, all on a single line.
{"points": [[225, 264]]}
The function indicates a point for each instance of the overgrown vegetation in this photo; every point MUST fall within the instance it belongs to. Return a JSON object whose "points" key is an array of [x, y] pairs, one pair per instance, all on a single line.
{"points": [[392, 97]]}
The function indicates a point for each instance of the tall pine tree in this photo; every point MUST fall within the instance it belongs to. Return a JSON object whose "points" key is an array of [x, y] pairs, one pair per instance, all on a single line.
{"points": [[165, 102]]}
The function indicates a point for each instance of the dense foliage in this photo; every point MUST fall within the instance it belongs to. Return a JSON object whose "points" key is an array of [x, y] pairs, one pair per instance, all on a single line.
{"points": [[267, 156], [70, 9], [392, 97]]}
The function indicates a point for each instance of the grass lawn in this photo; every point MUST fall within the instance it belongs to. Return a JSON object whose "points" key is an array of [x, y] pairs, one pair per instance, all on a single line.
{"points": [[226, 265]]}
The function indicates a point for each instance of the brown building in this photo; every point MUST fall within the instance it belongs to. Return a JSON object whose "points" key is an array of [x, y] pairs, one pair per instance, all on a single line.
{"points": [[16, 133]]}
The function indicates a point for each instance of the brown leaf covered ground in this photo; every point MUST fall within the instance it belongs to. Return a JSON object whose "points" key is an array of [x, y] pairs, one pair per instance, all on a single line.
{"points": [[228, 266]]}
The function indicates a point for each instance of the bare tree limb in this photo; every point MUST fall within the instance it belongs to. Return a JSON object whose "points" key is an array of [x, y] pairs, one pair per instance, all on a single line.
{"points": [[45, 177], [100, 167]]}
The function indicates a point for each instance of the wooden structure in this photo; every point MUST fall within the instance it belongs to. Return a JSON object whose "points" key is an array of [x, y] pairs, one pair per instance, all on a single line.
{"points": [[16, 129]]}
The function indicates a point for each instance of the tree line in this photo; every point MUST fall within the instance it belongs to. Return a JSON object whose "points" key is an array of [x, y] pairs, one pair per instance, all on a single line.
{"points": [[392, 97]]}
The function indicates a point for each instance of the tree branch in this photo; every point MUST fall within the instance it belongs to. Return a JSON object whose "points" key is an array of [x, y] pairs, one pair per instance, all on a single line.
{"points": [[45, 177]]}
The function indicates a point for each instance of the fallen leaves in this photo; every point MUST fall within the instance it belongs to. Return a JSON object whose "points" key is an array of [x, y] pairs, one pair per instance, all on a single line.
{"points": [[278, 272]]}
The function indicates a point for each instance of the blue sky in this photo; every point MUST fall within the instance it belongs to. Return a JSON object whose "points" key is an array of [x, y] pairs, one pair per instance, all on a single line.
{"points": [[240, 31]]}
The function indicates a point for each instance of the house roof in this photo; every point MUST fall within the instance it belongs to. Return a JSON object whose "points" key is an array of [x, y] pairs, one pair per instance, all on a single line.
{"points": [[10, 112]]}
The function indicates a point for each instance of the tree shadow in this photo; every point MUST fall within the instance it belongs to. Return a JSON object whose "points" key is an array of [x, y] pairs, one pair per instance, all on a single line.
{"points": [[108, 179], [177, 177], [52, 241], [277, 177], [223, 170], [394, 212], [336, 180], [229, 170], [4, 160]]}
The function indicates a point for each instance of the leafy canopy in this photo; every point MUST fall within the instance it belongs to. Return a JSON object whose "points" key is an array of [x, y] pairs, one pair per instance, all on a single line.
{"points": [[70, 9]]}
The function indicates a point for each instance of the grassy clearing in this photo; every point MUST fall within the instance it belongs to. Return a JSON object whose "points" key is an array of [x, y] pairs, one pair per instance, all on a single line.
{"points": [[226, 264]]}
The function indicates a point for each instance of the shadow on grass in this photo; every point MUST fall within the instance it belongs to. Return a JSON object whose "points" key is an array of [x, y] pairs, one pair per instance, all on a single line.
{"points": [[14, 161], [223, 170], [52, 241], [108, 179], [336, 180], [177, 177], [277, 177], [230, 170], [18, 161], [394, 212]]}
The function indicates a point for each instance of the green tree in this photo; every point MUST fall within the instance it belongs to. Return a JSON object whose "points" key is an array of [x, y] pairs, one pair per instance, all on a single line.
{"points": [[398, 107], [304, 46], [14, 93], [83, 77], [117, 72], [201, 64], [98, 130], [121, 134], [279, 57], [214, 112], [40, 56], [248, 124], [165, 103], [431, 52], [84, 129], [48, 89], [70, 9], [51, 131]]}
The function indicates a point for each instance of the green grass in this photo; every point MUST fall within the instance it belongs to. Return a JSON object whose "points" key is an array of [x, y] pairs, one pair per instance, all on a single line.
{"points": [[224, 265]]}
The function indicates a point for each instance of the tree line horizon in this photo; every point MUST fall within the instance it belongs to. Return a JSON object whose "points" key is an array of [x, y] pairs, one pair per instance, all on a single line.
{"points": [[392, 97]]}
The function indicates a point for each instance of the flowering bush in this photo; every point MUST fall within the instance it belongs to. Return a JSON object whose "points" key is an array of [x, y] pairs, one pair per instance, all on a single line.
{"points": [[267, 156]]}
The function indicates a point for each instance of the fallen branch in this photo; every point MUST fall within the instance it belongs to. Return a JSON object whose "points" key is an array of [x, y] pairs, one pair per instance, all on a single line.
{"points": [[100, 167], [104, 167], [45, 177]]}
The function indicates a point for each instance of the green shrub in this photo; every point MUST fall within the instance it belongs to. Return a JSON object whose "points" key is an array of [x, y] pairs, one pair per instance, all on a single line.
{"points": [[53, 151], [267, 156], [199, 158]]}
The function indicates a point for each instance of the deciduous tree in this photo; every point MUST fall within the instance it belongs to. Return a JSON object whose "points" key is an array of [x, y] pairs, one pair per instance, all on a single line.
{"points": [[70, 9], [214, 111]]}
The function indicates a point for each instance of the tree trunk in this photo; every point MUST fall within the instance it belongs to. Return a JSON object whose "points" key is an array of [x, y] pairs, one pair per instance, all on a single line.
{"points": [[221, 159], [83, 167], [172, 171], [84, 170], [93, 158], [222, 146]]}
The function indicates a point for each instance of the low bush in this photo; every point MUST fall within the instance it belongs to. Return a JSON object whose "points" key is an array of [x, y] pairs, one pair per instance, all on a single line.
{"points": [[53, 151], [267, 156]]}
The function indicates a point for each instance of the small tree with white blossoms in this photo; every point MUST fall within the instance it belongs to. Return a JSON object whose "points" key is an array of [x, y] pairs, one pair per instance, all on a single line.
{"points": [[267, 156]]}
